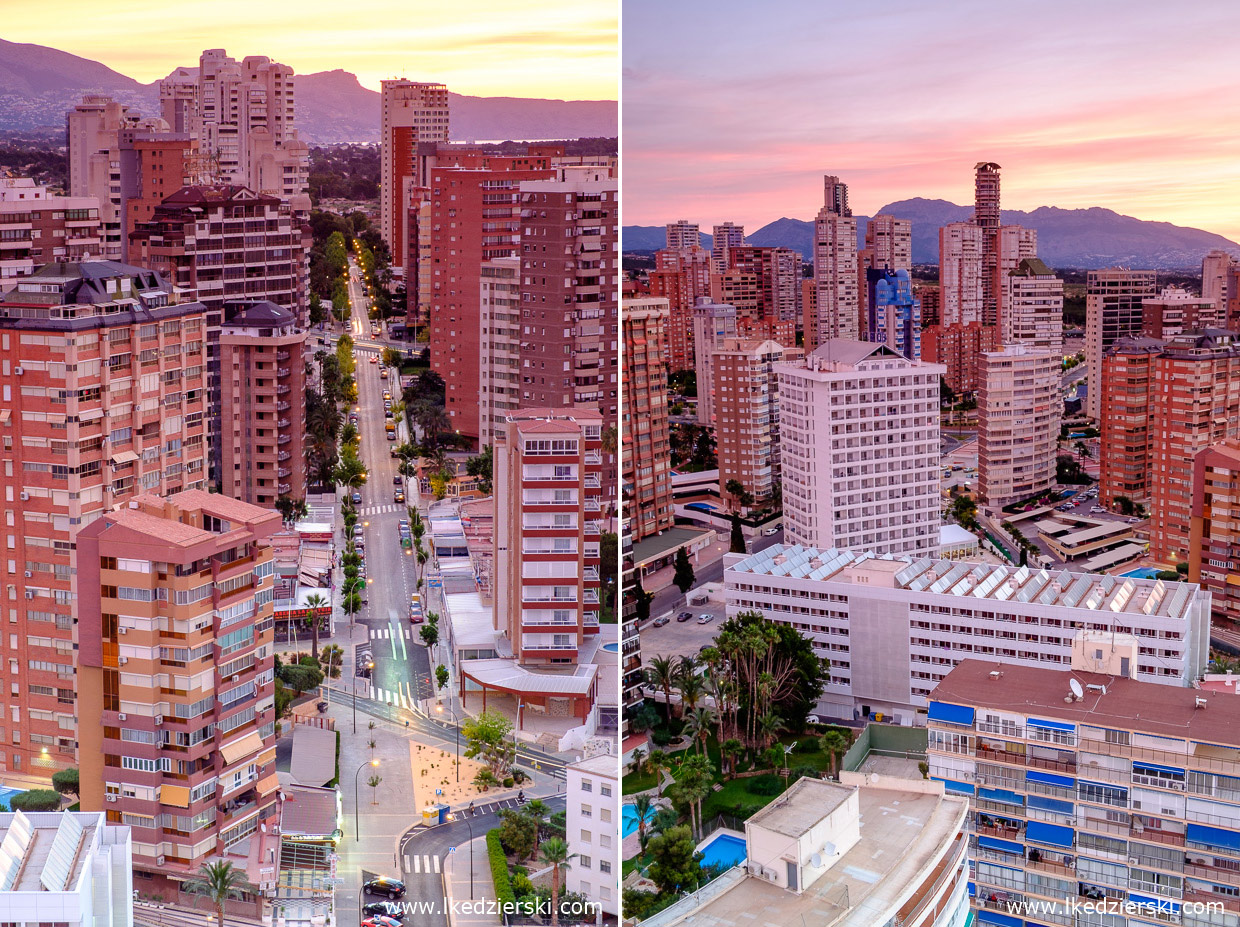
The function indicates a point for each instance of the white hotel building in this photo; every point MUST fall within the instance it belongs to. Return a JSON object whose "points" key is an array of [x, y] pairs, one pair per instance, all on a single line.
{"points": [[859, 449], [893, 640]]}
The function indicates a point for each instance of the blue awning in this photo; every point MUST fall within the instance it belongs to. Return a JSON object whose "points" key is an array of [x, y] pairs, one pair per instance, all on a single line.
{"points": [[972, 889], [1064, 782], [1051, 725], [951, 785], [1214, 837], [1057, 805], [1049, 834], [951, 714], [1003, 846], [1001, 795], [1173, 770], [999, 920], [1161, 904]]}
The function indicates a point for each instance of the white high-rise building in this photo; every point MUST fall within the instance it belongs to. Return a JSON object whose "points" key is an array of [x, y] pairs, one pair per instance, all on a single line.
{"points": [[1013, 244], [683, 235], [960, 273], [1114, 300], [835, 265], [1032, 307], [1018, 414], [859, 446], [712, 323], [890, 242], [725, 236], [499, 387], [1214, 273]]}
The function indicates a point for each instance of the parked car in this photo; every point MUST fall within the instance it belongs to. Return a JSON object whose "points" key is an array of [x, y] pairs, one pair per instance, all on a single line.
{"points": [[661, 620], [393, 888], [383, 374], [396, 480], [705, 618], [684, 616], [769, 532], [381, 920], [386, 908]]}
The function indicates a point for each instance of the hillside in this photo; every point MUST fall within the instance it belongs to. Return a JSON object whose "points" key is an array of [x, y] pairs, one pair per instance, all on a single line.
{"points": [[39, 84], [1085, 238]]}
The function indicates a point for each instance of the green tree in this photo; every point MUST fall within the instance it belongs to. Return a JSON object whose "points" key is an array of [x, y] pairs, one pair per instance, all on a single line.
{"points": [[639, 760], [391, 357], [738, 536], [480, 467], [488, 737], [661, 674], [219, 881], [1125, 504], [300, 678], [834, 744], [729, 751], [518, 832], [441, 676], [373, 782], [697, 727], [642, 599], [693, 785], [315, 601], [67, 781], [736, 489], [554, 853], [429, 634], [684, 576], [642, 807], [35, 800], [675, 866], [332, 659]]}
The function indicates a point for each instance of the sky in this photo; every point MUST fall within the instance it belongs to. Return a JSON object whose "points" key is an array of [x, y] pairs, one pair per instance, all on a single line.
{"points": [[555, 49], [735, 111]]}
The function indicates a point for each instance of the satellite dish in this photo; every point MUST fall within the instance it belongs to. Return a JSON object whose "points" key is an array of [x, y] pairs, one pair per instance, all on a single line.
{"points": [[816, 861], [1076, 688]]}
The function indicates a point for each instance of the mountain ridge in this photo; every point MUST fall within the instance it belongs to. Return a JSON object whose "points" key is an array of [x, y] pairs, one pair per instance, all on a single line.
{"points": [[38, 84], [1086, 238]]}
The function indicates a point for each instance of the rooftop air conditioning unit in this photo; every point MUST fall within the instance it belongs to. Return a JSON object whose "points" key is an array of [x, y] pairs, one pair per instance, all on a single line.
{"points": [[122, 630], [25, 497], [30, 593], [122, 717], [18, 370], [123, 660], [29, 575], [110, 797], [160, 861], [159, 720]]}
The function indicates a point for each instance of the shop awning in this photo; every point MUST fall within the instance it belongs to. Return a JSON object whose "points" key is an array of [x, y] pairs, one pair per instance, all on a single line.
{"points": [[242, 747]]}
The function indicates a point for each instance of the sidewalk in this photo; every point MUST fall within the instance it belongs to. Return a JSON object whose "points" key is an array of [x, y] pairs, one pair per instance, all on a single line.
{"points": [[458, 888]]}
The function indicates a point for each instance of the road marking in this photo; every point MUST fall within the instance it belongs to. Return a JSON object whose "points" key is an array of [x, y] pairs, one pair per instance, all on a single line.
{"points": [[417, 864], [436, 859], [408, 864]]}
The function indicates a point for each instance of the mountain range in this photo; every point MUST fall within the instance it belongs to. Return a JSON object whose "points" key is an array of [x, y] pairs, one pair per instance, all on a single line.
{"points": [[39, 84], [1082, 238]]}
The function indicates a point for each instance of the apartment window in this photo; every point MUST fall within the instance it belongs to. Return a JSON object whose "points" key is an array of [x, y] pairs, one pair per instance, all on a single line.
{"points": [[586, 785], [583, 862]]}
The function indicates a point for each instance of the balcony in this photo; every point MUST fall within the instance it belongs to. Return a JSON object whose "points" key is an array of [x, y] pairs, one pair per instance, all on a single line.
{"points": [[283, 455], [282, 355], [283, 389], [285, 488], [284, 439], [283, 406], [283, 472], [282, 372]]}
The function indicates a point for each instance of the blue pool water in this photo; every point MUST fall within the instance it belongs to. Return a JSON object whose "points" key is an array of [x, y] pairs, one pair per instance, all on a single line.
{"points": [[6, 793], [629, 820], [1143, 573], [723, 849], [612, 647]]}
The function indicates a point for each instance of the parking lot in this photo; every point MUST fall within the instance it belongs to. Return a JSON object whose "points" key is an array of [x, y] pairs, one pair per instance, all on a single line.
{"points": [[682, 638]]}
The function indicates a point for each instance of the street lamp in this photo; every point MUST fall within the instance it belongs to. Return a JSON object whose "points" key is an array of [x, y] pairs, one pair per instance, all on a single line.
{"points": [[470, 825], [457, 725], [357, 817]]}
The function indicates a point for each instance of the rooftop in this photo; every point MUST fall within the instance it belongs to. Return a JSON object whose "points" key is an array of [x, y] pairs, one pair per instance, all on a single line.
{"points": [[1118, 594], [1127, 705], [262, 313], [602, 765], [799, 809], [44, 852]]}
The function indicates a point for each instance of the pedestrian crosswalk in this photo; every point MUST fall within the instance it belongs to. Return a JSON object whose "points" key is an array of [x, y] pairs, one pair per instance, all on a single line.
{"points": [[385, 634], [421, 863], [399, 698], [382, 509]]}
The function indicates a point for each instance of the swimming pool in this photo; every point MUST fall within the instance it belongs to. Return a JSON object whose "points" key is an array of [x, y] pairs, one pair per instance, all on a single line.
{"points": [[1142, 573], [723, 850], [628, 816], [612, 647], [6, 793]]}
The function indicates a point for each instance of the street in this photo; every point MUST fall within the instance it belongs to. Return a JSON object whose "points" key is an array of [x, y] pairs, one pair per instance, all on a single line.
{"points": [[670, 597]]}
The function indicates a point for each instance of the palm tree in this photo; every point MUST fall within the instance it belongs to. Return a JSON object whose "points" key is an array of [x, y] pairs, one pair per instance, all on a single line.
{"points": [[555, 854], [698, 727], [539, 811], [833, 743], [314, 602], [642, 805], [661, 674], [219, 881], [769, 727], [664, 820], [729, 750], [656, 763], [639, 760], [692, 687]]}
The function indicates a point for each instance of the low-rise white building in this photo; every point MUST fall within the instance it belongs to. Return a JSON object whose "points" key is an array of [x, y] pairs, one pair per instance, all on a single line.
{"points": [[67, 868], [592, 825], [869, 851], [892, 628]]}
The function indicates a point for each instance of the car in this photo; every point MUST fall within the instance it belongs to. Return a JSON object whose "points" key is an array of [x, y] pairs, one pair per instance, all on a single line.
{"points": [[393, 888], [661, 620], [374, 358], [387, 396], [391, 435], [399, 496], [684, 616], [358, 531], [356, 498], [770, 531], [705, 619], [394, 452], [383, 374], [415, 617], [386, 908], [396, 480], [403, 526], [1097, 509], [381, 920], [360, 544]]}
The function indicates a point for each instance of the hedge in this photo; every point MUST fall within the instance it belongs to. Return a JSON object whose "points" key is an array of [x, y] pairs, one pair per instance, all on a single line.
{"points": [[499, 870], [336, 779]]}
